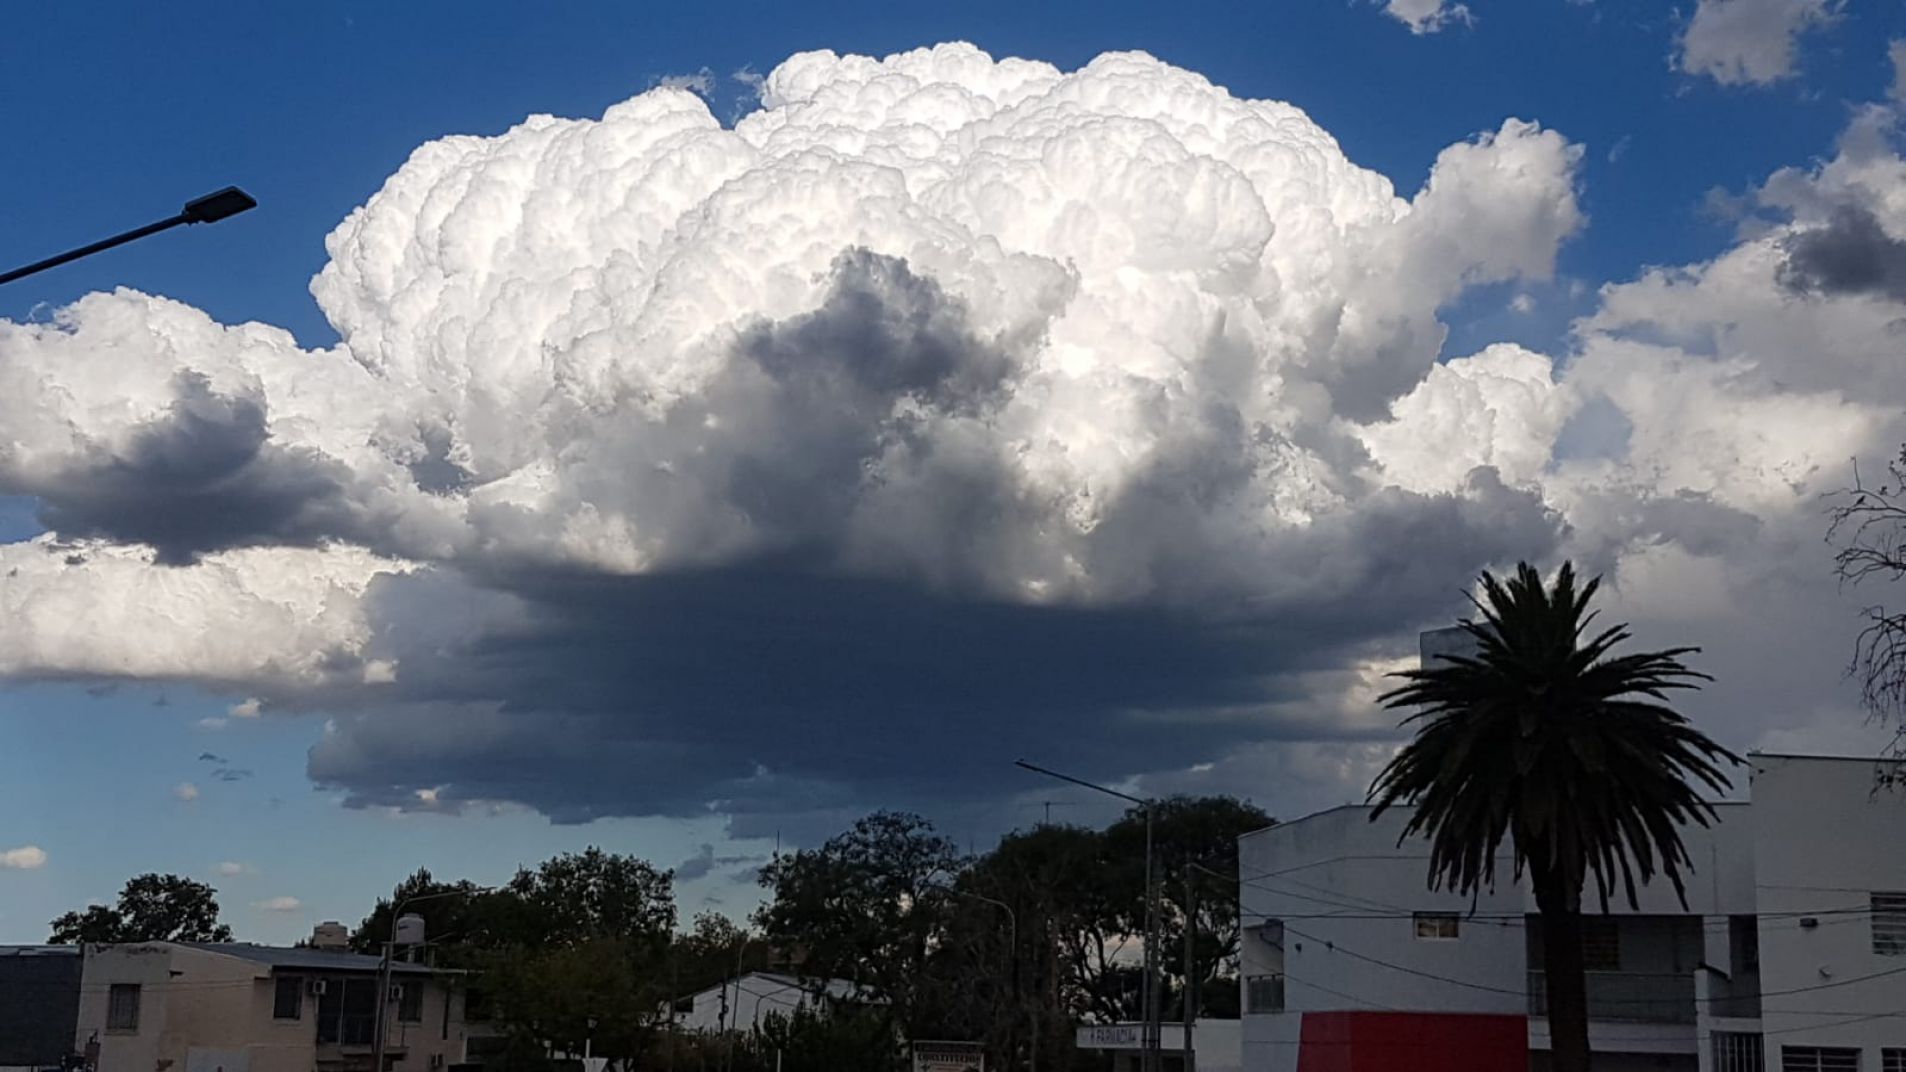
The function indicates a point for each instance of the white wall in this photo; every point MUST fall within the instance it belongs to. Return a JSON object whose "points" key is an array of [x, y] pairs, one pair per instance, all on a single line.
{"points": [[1327, 875], [1825, 841]]}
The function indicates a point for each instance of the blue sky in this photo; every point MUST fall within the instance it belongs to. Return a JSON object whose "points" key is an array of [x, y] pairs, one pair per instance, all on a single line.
{"points": [[120, 111]]}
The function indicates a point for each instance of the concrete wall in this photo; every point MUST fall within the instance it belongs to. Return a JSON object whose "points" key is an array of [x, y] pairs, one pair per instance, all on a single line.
{"points": [[1826, 841]]}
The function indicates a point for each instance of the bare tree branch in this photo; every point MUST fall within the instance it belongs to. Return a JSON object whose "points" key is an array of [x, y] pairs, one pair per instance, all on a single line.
{"points": [[1867, 526]]}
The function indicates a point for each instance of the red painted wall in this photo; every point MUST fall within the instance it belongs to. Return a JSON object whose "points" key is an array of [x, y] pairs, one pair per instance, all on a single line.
{"points": [[1412, 1042]]}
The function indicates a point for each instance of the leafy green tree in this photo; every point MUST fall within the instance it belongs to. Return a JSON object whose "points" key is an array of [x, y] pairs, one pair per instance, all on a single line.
{"points": [[578, 896], [1054, 878], [1549, 739], [600, 993], [865, 906], [582, 937], [458, 916], [150, 908]]}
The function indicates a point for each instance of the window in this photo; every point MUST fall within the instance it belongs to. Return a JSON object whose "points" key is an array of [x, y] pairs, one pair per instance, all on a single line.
{"points": [[287, 1001], [1819, 1059], [122, 1007], [1736, 1051], [1439, 926], [685, 1006], [1893, 1059], [1889, 924], [410, 1002], [1264, 993], [1601, 944]]}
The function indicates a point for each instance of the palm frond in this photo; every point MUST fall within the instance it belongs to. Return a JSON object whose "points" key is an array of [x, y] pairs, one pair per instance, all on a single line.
{"points": [[1544, 737]]}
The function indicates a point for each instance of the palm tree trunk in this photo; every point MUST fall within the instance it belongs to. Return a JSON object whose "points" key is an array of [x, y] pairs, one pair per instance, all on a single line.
{"points": [[1563, 974]]}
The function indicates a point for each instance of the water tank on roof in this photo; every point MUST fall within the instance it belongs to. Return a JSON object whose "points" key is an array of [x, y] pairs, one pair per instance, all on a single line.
{"points": [[410, 929]]}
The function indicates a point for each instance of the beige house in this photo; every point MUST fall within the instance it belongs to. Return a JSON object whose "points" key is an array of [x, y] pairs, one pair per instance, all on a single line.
{"points": [[179, 1007]]}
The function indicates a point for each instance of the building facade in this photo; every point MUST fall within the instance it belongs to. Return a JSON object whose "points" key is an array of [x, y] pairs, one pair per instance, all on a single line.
{"points": [[745, 1003], [1789, 955], [178, 1007]]}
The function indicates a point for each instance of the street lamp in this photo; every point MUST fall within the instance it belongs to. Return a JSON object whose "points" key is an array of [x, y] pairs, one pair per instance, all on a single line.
{"points": [[1012, 945], [213, 207], [396, 913], [1149, 1046]]}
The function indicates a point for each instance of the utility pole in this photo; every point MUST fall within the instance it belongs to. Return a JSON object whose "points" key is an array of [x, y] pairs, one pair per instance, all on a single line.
{"points": [[1151, 1059], [379, 1022], [1190, 1001]]}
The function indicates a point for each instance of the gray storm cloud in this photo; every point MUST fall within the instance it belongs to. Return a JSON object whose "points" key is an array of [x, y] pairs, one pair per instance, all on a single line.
{"points": [[940, 407]]}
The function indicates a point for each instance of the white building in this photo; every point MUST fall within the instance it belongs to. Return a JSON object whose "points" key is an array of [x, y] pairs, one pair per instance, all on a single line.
{"points": [[1790, 955], [745, 1003]]}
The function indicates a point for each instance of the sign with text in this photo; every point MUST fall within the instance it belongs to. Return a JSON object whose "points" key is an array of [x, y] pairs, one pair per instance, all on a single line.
{"points": [[949, 1057], [1111, 1036]]}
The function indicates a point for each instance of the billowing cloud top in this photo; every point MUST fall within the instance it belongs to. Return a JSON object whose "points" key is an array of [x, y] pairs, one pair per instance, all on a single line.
{"points": [[956, 405]]}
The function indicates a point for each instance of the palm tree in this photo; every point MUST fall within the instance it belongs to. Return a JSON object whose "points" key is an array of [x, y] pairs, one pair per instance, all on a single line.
{"points": [[1569, 751]]}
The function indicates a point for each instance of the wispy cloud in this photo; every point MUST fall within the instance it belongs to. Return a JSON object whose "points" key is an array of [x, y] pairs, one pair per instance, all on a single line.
{"points": [[232, 869], [24, 858], [186, 791], [1428, 16], [280, 904], [701, 82]]}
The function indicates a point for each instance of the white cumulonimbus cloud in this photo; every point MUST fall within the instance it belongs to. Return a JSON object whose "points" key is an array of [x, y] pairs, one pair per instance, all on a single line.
{"points": [[931, 361]]}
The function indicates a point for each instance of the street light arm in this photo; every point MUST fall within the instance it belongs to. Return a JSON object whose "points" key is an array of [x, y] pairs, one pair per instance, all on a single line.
{"points": [[215, 206], [1036, 769]]}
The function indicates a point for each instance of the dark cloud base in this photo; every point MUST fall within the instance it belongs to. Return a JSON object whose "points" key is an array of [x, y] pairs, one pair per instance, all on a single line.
{"points": [[777, 689]]}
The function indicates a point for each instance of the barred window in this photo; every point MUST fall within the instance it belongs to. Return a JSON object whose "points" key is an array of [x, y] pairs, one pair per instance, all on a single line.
{"points": [[1601, 944], [1264, 993], [122, 1007], [1893, 1059], [1440, 926], [1889, 924], [1819, 1059], [287, 1000], [1737, 1051]]}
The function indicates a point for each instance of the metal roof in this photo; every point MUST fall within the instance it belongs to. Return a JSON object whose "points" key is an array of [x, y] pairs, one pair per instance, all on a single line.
{"points": [[278, 957], [39, 950]]}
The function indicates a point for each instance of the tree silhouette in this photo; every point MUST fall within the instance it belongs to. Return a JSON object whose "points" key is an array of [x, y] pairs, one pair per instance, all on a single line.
{"points": [[1566, 749]]}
